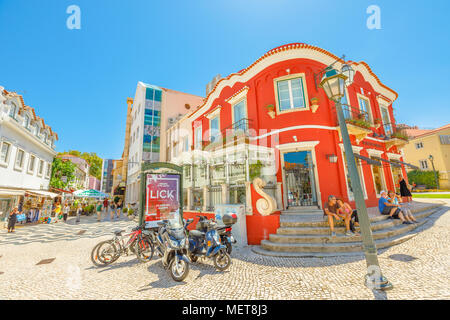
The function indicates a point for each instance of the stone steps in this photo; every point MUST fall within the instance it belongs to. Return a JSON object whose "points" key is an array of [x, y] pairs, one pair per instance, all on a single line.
{"points": [[340, 237], [298, 237]]}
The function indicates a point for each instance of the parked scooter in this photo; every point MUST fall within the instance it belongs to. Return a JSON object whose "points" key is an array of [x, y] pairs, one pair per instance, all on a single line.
{"points": [[226, 237], [208, 244], [172, 246]]}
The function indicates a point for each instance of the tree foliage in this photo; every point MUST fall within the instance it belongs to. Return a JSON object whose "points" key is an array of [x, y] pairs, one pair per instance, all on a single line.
{"points": [[94, 161], [62, 169], [420, 177]]}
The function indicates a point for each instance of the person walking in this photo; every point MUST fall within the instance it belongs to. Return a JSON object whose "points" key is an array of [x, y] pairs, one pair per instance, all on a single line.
{"points": [[119, 209], [12, 219], [79, 210], [66, 211], [113, 211], [106, 206], [99, 211], [57, 211]]}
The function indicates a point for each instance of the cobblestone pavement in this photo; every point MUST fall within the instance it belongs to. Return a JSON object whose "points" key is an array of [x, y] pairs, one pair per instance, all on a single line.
{"points": [[418, 268]]}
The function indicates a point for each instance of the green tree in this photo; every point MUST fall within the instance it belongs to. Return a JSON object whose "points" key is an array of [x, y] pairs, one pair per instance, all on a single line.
{"points": [[62, 169], [94, 161]]}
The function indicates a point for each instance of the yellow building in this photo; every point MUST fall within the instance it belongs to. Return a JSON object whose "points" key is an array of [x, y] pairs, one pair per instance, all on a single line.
{"points": [[436, 143]]}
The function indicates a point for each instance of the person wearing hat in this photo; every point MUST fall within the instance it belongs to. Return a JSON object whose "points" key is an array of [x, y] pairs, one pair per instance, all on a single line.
{"points": [[391, 210]]}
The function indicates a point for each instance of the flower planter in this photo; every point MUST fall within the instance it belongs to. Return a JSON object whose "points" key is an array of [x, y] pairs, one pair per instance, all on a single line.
{"points": [[271, 110]]}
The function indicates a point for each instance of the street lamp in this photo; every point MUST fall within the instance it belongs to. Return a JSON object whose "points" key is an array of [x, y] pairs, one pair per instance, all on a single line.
{"points": [[333, 83], [435, 174]]}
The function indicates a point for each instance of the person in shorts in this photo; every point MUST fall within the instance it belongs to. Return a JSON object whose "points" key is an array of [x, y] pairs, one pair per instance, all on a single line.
{"points": [[390, 209], [330, 211], [394, 198]]}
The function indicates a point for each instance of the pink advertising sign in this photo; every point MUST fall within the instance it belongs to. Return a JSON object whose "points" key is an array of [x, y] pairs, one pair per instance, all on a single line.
{"points": [[162, 198]]}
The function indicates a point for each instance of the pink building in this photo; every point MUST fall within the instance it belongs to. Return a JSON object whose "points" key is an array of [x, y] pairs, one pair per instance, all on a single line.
{"points": [[93, 183]]}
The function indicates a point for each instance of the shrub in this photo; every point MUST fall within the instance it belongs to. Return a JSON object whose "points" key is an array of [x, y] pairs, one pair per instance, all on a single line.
{"points": [[130, 212], [423, 177], [125, 210]]}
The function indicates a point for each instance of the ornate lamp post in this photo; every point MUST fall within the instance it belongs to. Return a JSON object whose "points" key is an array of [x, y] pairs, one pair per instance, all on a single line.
{"points": [[434, 170], [334, 82]]}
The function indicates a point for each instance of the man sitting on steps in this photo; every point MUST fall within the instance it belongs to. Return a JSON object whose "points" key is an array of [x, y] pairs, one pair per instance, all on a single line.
{"points": [[330, 209], [390, 209]]}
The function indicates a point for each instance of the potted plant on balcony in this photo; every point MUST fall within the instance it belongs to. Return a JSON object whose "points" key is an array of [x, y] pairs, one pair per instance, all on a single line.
{"points": [[314, 104], [270, 110], [360, 122], [399, 135]]}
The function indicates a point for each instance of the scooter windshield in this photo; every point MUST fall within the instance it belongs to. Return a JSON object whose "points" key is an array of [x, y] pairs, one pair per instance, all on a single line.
{"points": [[176, 231]]}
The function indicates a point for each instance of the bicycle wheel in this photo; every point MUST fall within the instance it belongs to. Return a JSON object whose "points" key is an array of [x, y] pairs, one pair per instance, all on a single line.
{"points": [[94, 256], [107, 252], [144, 249]]}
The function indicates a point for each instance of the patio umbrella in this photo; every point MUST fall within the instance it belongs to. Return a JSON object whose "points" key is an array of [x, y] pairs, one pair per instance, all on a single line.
{"points": [[91, 193]]}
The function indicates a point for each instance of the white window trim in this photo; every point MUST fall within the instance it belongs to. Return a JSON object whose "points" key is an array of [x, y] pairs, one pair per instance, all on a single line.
{"points": [[43, 168], [29, 162], [389, 116], [233, 121], [23, 159], [302, 77], [49, 166], [198, 144], [423, 161], [369, 106], [217, 135], [8, 154], [383, 180]]}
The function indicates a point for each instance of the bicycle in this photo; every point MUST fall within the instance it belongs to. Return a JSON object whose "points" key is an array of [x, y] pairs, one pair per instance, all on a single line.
{"points": [[108, 251]]}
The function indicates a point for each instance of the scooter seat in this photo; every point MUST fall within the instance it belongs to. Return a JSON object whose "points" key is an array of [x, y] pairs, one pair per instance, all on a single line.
{"points": [[196, 233]]}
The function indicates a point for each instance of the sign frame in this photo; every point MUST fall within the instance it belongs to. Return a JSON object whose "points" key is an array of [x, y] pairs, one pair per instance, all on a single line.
{"points": [[158, 168]]}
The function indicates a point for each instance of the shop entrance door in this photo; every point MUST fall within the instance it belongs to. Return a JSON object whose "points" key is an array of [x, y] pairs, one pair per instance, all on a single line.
{"points": [[299, 179]]}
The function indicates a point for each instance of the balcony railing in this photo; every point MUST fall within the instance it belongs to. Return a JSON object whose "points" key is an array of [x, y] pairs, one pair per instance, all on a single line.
{"points": [[241, 126], [391, 131], [356, 116]]}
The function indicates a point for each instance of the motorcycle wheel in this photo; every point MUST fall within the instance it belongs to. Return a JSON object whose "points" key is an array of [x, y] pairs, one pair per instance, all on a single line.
{"points": [[178, 275], [144, 250], [107, 252], [222, 260]]}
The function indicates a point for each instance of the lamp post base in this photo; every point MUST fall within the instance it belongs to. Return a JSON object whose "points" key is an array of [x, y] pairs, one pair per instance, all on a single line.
{"points": [[378, 283]]}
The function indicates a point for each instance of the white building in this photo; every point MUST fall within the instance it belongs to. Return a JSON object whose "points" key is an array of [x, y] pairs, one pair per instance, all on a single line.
{"points": [[154, 110], [27, 149], [27, 145]]}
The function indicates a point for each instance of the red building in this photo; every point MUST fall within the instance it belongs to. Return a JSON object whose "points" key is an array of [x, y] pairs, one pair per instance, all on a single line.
{"points": [[277, 103]]}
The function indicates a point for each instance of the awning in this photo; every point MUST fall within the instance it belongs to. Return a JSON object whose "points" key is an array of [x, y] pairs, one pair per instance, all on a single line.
{"points": [[407, 164], [392, 163], [368, 160], [43, 193], [11, 192]]}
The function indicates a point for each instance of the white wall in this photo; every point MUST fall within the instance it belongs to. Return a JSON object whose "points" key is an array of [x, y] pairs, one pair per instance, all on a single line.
{"points": [[13, 178]]}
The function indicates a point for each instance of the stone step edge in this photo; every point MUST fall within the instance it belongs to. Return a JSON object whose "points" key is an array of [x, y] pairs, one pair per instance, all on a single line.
{"points": [[372, 219], [380, 245], [339, 237], [377, 224]]}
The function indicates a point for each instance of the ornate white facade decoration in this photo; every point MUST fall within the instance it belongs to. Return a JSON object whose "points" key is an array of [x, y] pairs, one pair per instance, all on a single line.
{"points": [[267, 205]]}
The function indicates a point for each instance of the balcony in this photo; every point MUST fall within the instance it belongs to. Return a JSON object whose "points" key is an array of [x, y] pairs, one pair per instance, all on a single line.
{"points": [[358, 122], [394, 135], [239, 130]]}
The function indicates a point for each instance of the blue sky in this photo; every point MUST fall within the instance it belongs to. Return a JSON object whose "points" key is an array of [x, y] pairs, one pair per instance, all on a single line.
{"points": [[78, 80]]}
